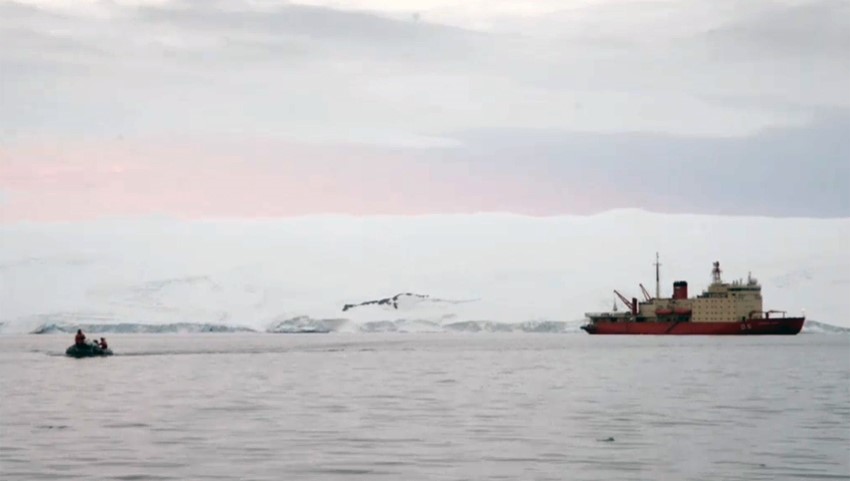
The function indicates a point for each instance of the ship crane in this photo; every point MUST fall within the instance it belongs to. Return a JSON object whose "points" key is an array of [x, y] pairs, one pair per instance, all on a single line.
{"points": [[645, 293], [632, 306]]}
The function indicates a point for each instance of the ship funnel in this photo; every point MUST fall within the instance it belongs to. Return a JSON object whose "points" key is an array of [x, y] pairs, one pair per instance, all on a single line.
{"points": [[680, 290]]}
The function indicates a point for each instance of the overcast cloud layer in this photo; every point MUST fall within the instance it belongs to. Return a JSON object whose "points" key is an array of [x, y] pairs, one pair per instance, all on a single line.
{"points": [[731, 106]]}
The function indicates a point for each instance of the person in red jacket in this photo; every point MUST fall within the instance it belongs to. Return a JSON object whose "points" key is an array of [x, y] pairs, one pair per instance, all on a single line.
{"points": [[80, 338]]}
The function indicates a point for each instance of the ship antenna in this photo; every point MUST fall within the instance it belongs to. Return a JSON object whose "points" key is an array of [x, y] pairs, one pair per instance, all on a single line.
{"points": [[715, 273], [657, 277]]}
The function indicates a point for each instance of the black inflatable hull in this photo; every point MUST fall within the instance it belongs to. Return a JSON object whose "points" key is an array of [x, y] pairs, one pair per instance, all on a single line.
{"points": [[87, 350]]}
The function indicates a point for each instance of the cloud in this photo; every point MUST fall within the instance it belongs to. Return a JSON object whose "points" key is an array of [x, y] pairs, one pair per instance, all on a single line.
{"points": [[800, 171], [539, 172], [536, 107], [818, 29], [322, 72]]}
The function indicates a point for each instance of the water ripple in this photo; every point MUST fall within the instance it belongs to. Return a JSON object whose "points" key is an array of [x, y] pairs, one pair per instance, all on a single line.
{"points": [[426, 407]]}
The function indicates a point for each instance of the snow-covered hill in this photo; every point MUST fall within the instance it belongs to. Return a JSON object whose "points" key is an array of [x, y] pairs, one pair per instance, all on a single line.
{"points": [[473, 270]]}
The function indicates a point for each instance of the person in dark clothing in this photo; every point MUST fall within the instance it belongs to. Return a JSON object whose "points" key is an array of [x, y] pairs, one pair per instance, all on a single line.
{"points": [[102, 343], [80, 338]]}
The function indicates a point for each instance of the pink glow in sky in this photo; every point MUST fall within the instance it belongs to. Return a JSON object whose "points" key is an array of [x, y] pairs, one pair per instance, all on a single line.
{"points": [[79, 181], [421, 106]]}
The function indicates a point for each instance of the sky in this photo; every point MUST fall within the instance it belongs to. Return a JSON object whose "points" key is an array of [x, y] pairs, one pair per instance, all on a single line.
{"points": [[252, 108]]}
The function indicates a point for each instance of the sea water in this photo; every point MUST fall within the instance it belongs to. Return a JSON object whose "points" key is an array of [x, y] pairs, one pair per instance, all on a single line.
{"points": [[427, 406]]}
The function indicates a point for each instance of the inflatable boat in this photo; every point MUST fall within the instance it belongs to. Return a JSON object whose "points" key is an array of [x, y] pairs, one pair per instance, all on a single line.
{"points": [[87, 350]]}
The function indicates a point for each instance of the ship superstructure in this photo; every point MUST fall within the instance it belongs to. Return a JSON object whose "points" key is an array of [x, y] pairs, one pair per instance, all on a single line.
{"points": [[722, 308]]}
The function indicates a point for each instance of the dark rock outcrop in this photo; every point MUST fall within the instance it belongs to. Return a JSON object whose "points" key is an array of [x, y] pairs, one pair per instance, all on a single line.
{"points": [[387, 301]]}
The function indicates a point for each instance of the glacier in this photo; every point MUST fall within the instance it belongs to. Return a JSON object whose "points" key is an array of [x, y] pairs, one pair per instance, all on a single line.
{"points": [[490, 272], [306, 325], [136, 328]]}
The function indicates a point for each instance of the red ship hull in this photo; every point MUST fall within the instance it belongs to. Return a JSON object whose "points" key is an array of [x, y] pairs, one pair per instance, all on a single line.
{"points": [[770, 326]]}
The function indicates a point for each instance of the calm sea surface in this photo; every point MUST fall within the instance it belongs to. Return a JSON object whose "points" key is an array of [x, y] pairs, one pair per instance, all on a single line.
{"points": [[427, 406]]}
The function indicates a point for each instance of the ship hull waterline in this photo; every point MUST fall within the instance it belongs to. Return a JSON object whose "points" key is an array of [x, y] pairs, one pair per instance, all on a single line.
{"points": [[779, 326]]}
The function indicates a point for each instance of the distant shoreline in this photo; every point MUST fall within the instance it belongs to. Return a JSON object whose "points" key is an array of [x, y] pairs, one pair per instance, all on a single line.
{"points": [[304, 325]]}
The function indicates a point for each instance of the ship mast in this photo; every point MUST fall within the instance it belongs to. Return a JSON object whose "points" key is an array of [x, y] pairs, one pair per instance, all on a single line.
{"points": [[715, 273], [657, 278]]}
